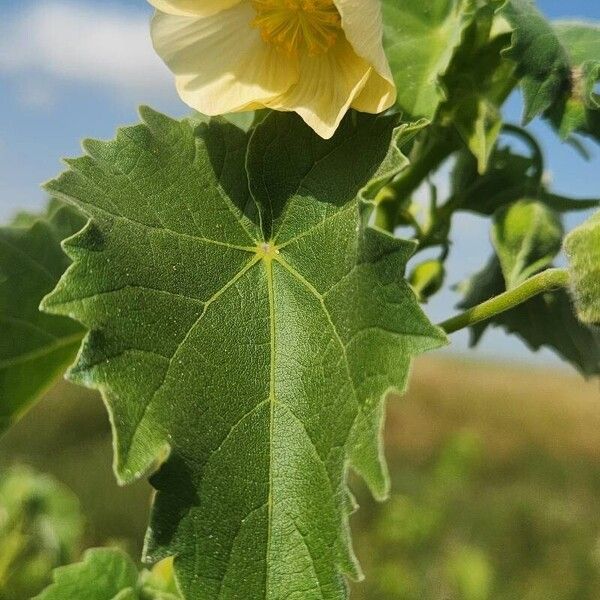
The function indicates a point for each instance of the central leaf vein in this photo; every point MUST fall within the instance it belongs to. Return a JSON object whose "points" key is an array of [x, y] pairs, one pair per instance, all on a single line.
{"points": [[272, 399]]}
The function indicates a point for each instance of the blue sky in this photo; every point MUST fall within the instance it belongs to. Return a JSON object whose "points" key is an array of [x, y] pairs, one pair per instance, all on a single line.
{"points": [[79, 68]]}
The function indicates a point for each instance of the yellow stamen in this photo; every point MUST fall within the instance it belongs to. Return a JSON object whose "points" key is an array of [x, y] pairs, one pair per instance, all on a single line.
{"points": [[297, 25]]}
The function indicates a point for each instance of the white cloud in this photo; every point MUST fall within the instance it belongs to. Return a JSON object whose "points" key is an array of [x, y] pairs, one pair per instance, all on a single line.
{"points": [[87, 43]]}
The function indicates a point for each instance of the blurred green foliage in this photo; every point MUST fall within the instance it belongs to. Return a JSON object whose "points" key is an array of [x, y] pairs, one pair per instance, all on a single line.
{"points": [[416, 551], [455, 530], [40, 528]]}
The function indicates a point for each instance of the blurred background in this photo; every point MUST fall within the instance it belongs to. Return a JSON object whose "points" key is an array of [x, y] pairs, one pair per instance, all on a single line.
{"points": [[495, 455]]}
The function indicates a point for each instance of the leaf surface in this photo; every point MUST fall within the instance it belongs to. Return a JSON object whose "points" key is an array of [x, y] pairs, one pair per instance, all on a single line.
{"points": [[244, 334], [104, 574], [543, 63], [509, 177], [579, 110], [420, 40], [527, 236], [582, 246], [35, 348]]}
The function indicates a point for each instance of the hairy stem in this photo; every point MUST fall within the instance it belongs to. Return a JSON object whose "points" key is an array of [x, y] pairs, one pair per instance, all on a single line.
{"points": [[546, 281], [429, 157]]}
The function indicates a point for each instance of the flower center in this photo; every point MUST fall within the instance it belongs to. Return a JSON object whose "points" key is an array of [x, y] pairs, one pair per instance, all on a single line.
{"points": [[294, 25]]}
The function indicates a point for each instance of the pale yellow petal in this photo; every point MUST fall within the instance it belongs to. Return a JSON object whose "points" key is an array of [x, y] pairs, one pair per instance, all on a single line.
{"points": [[377, 95], [328, 84], [199, 8], [362, 23], [221, 63]]}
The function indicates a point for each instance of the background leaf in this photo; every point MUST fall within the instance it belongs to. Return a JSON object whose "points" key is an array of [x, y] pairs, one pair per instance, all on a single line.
{"points": [[478, 81], [559, 66], [104, 574], [421, 39], [35, 348], [527, 236], [543, 64], [509, 177], [248, 334], [579, 110], [41, 527]]}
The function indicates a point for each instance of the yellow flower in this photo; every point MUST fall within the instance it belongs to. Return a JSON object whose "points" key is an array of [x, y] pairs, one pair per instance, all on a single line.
{"points": [[315, 57]]}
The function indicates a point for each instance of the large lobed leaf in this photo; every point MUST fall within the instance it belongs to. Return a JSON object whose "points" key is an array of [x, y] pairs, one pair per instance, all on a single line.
{"points": [[244, 335], [35, 348]]}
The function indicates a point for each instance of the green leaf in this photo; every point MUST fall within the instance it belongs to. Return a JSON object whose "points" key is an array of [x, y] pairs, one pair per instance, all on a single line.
{"points": [[420, 40], [159, 583], [559, 66], [582, 40], [477, 82], [35, 348], [427, 278], [246, 337], [104, 574], [543, 64], [109, 574], [242, 120], [527, 236], [546, 321], [582, 246], [580, 108], [508, 178], [563, 204]]}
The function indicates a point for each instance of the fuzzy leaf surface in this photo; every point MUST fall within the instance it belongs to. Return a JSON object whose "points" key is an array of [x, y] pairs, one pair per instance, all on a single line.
{"points": [[527, 236], [543, 64], [579, 110], [244, 329], [582, 246], [35, 348]]}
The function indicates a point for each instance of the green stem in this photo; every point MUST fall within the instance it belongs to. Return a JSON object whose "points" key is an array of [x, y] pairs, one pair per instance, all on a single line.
{"points": [[429, 152], [429, 157], [546, 281]]}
